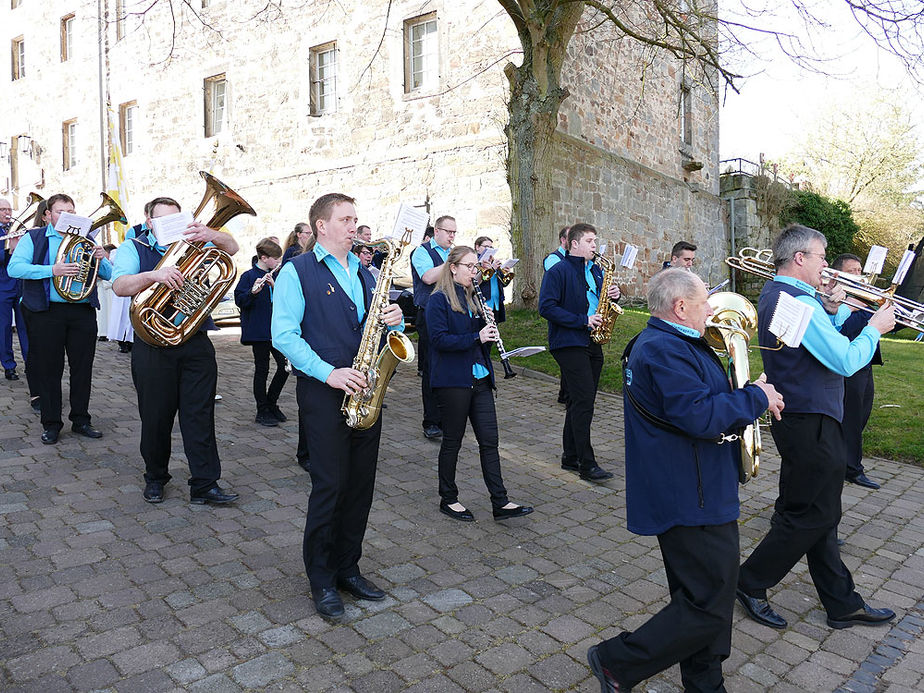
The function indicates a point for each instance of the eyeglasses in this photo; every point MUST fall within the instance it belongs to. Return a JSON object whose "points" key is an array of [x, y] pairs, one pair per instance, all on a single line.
{"points": [[451, 232], [471, 265], [807, 252]]}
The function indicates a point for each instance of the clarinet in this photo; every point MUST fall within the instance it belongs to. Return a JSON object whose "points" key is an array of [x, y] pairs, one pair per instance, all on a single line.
{"points": [[505, 362]]}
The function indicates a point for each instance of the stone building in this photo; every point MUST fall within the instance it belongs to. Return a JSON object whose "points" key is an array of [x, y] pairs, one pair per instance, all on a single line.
{"points": [[320, 96]]}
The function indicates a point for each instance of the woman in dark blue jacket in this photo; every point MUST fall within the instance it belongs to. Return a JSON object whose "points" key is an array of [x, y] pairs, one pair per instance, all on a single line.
{"points": [[462, 379]]}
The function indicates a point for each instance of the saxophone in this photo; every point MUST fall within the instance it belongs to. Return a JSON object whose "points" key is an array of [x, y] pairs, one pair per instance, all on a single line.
{"points": [[607, 309], [362, 409]]}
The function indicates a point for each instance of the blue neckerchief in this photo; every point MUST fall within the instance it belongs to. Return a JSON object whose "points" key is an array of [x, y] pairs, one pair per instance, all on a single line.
{"points": [[683, 329], [593, 300], [798, 283]]}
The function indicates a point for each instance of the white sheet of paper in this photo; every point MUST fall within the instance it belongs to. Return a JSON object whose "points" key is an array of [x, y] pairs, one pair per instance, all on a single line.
{"points": [[169, 229], [875, 260], [410, 217], [903, 267], [790, 319], [510, 264], [524, 351], [602, 248], [628, 256], [73, 224], [488, 255]]}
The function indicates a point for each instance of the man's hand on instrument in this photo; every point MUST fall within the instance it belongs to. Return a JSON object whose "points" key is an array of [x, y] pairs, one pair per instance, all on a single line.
{"points": [[392, 316], [197, 232], [774, 398], [170, 277], [349, 380], [65, 269], [99, 253], [836, 296], [488, 333], [884, 318], [594, 321], [614, 293]]}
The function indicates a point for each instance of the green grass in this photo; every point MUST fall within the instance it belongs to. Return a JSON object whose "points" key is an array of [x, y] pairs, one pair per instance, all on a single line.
{"points": [[894, 432]]}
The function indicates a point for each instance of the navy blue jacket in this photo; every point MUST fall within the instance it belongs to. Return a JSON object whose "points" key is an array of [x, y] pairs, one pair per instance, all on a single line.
{"points": [[563, 302], [454, 343], [8, 285], [682, 480], [256, 309]]}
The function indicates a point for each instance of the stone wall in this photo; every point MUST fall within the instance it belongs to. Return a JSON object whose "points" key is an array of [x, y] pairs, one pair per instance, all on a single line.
{"points": [[746, 227]]}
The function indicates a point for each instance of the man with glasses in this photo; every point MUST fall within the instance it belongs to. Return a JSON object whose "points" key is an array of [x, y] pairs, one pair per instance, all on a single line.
{"points": [[425, 263], [809, 437], [10, 291]]}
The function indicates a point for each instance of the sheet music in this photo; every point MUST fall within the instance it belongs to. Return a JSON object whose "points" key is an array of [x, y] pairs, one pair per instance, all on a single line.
{"points": [[790, 319], [628, 256], [410, 217], [522, 352], [510, 264], [903, 267], [169, 229], [488, 255], [875, 260], [73, 224]]}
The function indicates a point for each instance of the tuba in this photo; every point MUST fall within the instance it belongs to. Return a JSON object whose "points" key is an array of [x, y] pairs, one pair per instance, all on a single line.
{"points": [[166, 317], [729, 330], [607, 309], [79, 249], [18, 225], [362, 409]]}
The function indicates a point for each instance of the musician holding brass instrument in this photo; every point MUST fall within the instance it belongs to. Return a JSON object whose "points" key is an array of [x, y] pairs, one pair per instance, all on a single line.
{"points": [[809, 437], [172, 380], [59, 324], [682, 487], [10, 293], [569, 299], [322, 309]]}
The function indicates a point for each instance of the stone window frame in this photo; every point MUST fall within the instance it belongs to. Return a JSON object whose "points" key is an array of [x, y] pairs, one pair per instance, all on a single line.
{"points": [[210, 89], [317, 81], [18, 58], [426, 84], [685, 109], [69, 144], [67, 36], [128, 121]]}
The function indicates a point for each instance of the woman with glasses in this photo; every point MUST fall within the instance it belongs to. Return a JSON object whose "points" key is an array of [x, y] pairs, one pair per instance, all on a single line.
{"points": [[298, 241], [462, 379]]}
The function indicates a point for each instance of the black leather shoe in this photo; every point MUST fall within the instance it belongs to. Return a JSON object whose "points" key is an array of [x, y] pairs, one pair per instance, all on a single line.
{"points": [[608, 684], [36, 404], [862, 480], [86, 430], [760, 610], [153, 492], [464, 515], [10, 374], [595, 474], [361, 588], [570, 464], [265, 418], [215, 496], [864, 616], [277, 412], [433, 432], [519, 511], [328, 603], [50, 436]]}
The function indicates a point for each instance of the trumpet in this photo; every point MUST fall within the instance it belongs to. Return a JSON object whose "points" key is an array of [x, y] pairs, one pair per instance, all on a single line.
{"points": [[504, 276], [505, 361]]}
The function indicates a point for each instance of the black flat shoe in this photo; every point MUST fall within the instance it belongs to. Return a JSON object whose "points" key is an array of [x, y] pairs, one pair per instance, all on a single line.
{"points": [[864, 616], [215, 496], [862, 480], [10, 374], [328, 603], [760, 611], [153, 492], [463, 515], [433, 432], [277, 412], [505, 513], [86, 430], [50, 436], [361, 588], [595, 474], [570, 464]]}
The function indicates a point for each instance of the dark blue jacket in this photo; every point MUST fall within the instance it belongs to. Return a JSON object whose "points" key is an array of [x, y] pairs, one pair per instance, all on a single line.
{"points": [[9, 286], [454, 343], [682, 480], [256, 309], [563, 302], [852, 327], [422, 291]]}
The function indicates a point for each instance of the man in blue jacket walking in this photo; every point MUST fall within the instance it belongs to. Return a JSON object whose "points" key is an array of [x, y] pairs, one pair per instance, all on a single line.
{"points": [[682, 486]]}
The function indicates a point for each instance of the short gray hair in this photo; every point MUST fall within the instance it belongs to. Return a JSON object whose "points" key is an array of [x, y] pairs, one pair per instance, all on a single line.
{"points": [[795, 238], [669, 285]]}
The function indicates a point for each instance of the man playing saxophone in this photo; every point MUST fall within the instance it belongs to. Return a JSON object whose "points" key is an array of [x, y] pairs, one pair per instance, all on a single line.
{"points": [[568, 299], [57, 327], [322, 299], [176, 379]]}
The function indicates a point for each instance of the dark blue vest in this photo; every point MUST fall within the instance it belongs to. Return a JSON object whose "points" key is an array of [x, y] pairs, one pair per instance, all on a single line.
{"points": [[807, 386], [330, 324], [35, 291], [422, 291]]}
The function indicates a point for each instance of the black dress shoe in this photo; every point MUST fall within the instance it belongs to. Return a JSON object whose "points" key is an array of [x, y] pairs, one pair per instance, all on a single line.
{"points": [[50, 436], [265, 418], [10, 374], [361, 588], [86, 430], [760, 610], [215, 496], [864, 616], [519, 511], [608, 683], [570, 464], [277, 412], [433, 432], [464, 515], [328, 603], [862, 480], [595, 474], [153, 492]]}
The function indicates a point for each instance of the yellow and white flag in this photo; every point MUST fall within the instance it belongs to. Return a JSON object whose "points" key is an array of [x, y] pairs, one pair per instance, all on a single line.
{"points": [[116, 188]]}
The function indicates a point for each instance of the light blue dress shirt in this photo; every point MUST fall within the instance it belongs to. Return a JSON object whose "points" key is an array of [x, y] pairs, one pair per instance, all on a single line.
{"points": [[422, 260], [551, 260], [127, 259]]}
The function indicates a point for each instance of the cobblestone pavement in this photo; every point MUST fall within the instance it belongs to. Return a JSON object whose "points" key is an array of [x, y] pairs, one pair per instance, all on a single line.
{"points": [[100, 590]]}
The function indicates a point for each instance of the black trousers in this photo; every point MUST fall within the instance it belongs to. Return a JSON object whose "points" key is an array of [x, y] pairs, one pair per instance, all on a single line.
{"points": [[178, 380], [261, 355], [806, 514], [343, 464], [64, 329], [859, 391], [431, 410], [458, 406], [694, 629], [580, 373]]}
